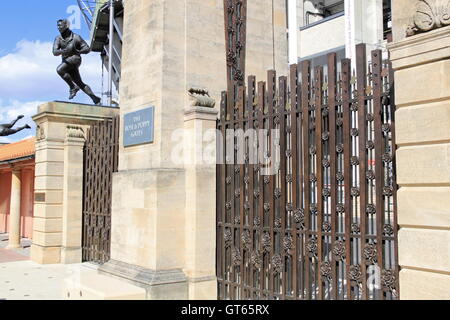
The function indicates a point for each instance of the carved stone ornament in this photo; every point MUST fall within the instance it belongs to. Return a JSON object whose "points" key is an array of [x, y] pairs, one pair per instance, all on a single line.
{"points": [[40, 133], [75, 132], [199, 97], [429, 15]]}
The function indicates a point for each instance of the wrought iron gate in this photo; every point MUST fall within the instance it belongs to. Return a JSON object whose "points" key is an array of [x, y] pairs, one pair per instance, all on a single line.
{"points": [[101, 155], [322, 224]]}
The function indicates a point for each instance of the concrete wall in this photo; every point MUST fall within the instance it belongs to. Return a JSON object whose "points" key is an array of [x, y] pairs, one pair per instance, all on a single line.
{"points": [[322, 37]]}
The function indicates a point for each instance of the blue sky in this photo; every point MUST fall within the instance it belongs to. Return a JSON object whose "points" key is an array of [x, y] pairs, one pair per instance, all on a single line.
{"points": [[27, 66]]}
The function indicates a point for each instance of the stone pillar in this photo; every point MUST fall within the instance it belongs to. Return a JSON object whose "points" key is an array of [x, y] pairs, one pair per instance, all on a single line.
{"points": [[422, 90], [14, 211], [72, 219], [200, 157], [57, 205]]}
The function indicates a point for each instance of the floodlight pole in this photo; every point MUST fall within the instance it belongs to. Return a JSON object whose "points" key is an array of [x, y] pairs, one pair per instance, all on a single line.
{"points": [[111, 36]]}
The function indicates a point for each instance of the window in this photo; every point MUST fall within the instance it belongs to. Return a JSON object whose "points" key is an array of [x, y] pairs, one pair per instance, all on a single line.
{"points": [[316, 10]]}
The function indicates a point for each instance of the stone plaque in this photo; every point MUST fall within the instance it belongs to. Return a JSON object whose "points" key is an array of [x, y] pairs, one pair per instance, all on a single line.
{"points": [[139, 127], [39, 197]]}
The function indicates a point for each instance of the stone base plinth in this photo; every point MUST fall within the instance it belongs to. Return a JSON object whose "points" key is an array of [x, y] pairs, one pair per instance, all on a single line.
{"points": [[87, 284], [159, 285]]}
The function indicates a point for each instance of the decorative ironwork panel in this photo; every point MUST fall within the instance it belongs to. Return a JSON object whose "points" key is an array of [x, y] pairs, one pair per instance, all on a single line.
{"points": [[101, 155], [306, 194]]}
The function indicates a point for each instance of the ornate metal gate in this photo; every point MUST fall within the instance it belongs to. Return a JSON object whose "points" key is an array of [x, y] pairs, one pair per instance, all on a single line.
{"points": [[101, 155], [313, 215], [306, 188]]}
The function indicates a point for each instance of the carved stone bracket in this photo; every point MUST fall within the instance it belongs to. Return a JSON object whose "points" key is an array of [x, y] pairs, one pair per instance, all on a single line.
{"points": [[200, 98], [429, 15]]}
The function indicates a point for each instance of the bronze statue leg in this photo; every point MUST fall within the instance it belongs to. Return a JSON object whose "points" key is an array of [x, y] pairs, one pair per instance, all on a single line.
{"points": [[9, 131], [76, 77], [64, 72], [10, 125]]}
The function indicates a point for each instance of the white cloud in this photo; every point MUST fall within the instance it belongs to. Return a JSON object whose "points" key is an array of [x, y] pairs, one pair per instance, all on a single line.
{"points": [[29, 73]]}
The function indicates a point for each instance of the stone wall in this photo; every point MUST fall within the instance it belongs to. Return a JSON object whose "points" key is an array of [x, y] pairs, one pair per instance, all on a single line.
{"points": [[422, 88], [171, 46]]}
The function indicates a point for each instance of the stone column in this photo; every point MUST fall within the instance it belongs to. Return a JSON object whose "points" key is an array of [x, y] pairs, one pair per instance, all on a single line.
{"points": [[200, 157], [14, 211], [57, 205], [72, 216], [422, 90], [168, 48]]}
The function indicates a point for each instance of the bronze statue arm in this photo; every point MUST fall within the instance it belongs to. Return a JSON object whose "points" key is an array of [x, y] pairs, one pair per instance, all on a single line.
{"points": [[83, 46], [57, 48]]}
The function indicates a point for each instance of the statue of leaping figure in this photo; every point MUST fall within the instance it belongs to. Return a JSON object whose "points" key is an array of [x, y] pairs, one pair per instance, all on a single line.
{"points": [[7, 129]]}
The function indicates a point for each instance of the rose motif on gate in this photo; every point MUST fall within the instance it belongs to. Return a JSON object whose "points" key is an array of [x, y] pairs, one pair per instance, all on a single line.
{"points": [[340, 208], [370, 175], [355, 228], [429, 15], [370, 253], [388, 191], [311, 247], [355, 192], [326, 227], [288, 243], [227, 237], [355, 273], [389, 280], [277, 193], [339, 250], [277, 223], [246, 240], [388, 230], [255, 259], [256, 221], [277, 264], [299, 216], [325, 270], [266, 242], [354, 132], [236, 257]]}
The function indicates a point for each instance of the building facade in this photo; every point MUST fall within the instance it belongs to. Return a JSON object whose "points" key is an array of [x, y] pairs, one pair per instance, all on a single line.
{"points": [[17, 171], [159, 231]]}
